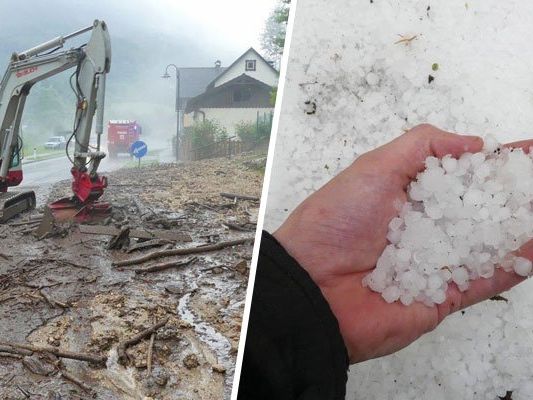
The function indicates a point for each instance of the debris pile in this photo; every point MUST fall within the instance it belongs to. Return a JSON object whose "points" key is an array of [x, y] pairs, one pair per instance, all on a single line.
{"points": [[144, 304]]}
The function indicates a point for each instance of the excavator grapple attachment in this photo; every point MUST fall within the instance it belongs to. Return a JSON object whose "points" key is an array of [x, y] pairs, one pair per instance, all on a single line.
{"points": [[70, 209], [13, 203]]}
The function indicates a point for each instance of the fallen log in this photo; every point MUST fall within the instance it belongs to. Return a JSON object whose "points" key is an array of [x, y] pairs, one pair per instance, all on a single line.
{"points": [[164, 266], [92, 358], [122, 346], [182, 252], [239, 196]]}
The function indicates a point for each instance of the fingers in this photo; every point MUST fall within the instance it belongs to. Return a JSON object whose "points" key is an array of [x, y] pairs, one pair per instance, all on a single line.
{"points": [[483, 289], [410, 150], [522, 144]]}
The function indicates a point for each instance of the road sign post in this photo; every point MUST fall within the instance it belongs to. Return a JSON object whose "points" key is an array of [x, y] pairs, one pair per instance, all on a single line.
{"points": [[138, 149]]}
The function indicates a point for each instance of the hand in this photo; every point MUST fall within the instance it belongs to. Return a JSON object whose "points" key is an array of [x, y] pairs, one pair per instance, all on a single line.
{"points": [[339, 232]]}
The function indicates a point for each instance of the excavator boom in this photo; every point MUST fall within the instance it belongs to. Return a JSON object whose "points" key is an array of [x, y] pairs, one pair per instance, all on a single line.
{"points": [[92, 63]]}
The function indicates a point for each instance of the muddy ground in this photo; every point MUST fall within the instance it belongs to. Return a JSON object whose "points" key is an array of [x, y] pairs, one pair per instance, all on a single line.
{"points": [[64, 292]]}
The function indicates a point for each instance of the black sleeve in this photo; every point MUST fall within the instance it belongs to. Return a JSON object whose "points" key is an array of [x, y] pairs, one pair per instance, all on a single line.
{"points": [[294, 349]]}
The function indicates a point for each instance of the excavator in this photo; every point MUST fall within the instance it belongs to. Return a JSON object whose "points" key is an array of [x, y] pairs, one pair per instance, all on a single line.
{"points": [[91, 63]]}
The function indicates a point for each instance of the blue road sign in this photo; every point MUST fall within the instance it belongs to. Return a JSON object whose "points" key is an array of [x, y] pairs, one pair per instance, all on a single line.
{"points": [[138, 149]]}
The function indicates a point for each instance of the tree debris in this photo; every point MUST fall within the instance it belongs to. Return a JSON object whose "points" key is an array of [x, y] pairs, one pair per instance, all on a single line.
{"points": [[52, 302], [164, 266], [181, 252], [136, 233], [148, 244], [68, 376], [91, 358], [234, 196], [121, 349], [237, 227], [149, 355], [121, 240]]}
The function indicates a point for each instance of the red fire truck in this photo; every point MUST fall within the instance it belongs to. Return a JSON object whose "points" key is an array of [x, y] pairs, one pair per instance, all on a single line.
{"points": [[120, 135]]}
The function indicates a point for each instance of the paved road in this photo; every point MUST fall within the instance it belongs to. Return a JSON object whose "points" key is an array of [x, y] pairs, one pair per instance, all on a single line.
{"points": [[47, 172]]}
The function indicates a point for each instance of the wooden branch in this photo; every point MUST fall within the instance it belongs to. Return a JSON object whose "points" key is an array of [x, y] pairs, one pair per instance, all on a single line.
{"points": [[236, 227], [52, 302], [11, 355], [122, 346], [34, 222], [182, 252], [92, 358], [239, 196], [150, 354], [12, 350], [73, 379], [164, 266], [147, 244]]}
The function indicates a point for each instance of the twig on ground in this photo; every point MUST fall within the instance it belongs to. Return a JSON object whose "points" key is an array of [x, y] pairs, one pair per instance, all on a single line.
{"points": [[233, 196], [77, 381], [164, 266], [122, 346], [52, 302], [150, 354]]}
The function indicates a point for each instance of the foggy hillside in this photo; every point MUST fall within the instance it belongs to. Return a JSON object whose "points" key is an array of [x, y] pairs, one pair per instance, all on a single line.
{"points": [[144, 40]]}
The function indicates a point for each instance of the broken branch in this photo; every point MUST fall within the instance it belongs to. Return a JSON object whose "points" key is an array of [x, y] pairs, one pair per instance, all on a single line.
{"points": [[182, 252], [52, 302], [239, 196], [121, 350], [73, 379], [163, 266], [150, 354], [92, 358]]}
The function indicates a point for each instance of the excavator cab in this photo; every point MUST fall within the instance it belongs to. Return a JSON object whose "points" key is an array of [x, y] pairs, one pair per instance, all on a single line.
{"points": [[13, 203]]}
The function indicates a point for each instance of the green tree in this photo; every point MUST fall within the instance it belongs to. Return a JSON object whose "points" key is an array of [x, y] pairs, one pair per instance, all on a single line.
{"points": [[273, 36], [254, 132], [205, 133]]}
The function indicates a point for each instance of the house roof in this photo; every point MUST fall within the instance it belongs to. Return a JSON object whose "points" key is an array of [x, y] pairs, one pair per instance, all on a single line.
{"points": [[193, 81], [212, 83], [212, 94]]}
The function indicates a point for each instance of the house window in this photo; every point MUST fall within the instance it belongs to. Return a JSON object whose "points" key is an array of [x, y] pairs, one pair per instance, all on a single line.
{"points": [[242, 94], [250, 65]]}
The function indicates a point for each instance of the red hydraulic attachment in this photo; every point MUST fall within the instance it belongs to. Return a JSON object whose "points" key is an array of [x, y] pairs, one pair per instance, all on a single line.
{"points": [[13, 179], [83, 206]]}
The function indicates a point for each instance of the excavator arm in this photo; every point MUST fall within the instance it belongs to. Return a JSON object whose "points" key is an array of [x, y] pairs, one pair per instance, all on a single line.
{"points": [[91, 63]]}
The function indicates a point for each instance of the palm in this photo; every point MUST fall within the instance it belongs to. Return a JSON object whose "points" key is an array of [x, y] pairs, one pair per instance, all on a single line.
{"points": [[345, 225]]}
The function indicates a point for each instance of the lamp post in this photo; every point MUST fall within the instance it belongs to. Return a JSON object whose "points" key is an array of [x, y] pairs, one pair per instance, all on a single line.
{"points": [[178, 105]]}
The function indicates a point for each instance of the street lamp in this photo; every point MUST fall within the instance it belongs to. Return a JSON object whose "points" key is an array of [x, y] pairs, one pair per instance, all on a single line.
{"points": [[178, 104]]}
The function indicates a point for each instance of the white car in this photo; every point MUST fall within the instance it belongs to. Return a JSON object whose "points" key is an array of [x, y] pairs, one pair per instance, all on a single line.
{"points": [[56, 142]]}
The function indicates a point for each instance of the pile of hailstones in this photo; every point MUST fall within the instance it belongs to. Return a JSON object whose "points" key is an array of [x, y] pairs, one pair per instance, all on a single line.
{"points": [[463, 218]]}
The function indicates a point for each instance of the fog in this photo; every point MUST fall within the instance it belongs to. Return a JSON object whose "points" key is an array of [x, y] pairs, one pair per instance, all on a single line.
{"points": [[145, 37]]}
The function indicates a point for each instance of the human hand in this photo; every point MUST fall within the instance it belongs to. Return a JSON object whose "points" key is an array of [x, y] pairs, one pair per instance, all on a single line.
{"points": [[338, 233]]}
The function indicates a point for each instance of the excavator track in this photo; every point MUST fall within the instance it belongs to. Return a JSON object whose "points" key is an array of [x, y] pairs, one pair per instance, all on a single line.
{"points": [[13, 203]]}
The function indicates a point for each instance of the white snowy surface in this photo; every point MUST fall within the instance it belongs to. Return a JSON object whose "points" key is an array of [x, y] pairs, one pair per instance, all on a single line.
{"points": [[366, 90]]}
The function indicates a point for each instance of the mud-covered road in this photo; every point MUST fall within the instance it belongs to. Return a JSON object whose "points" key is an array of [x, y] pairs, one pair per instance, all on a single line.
{"points": [[65, 294]]}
